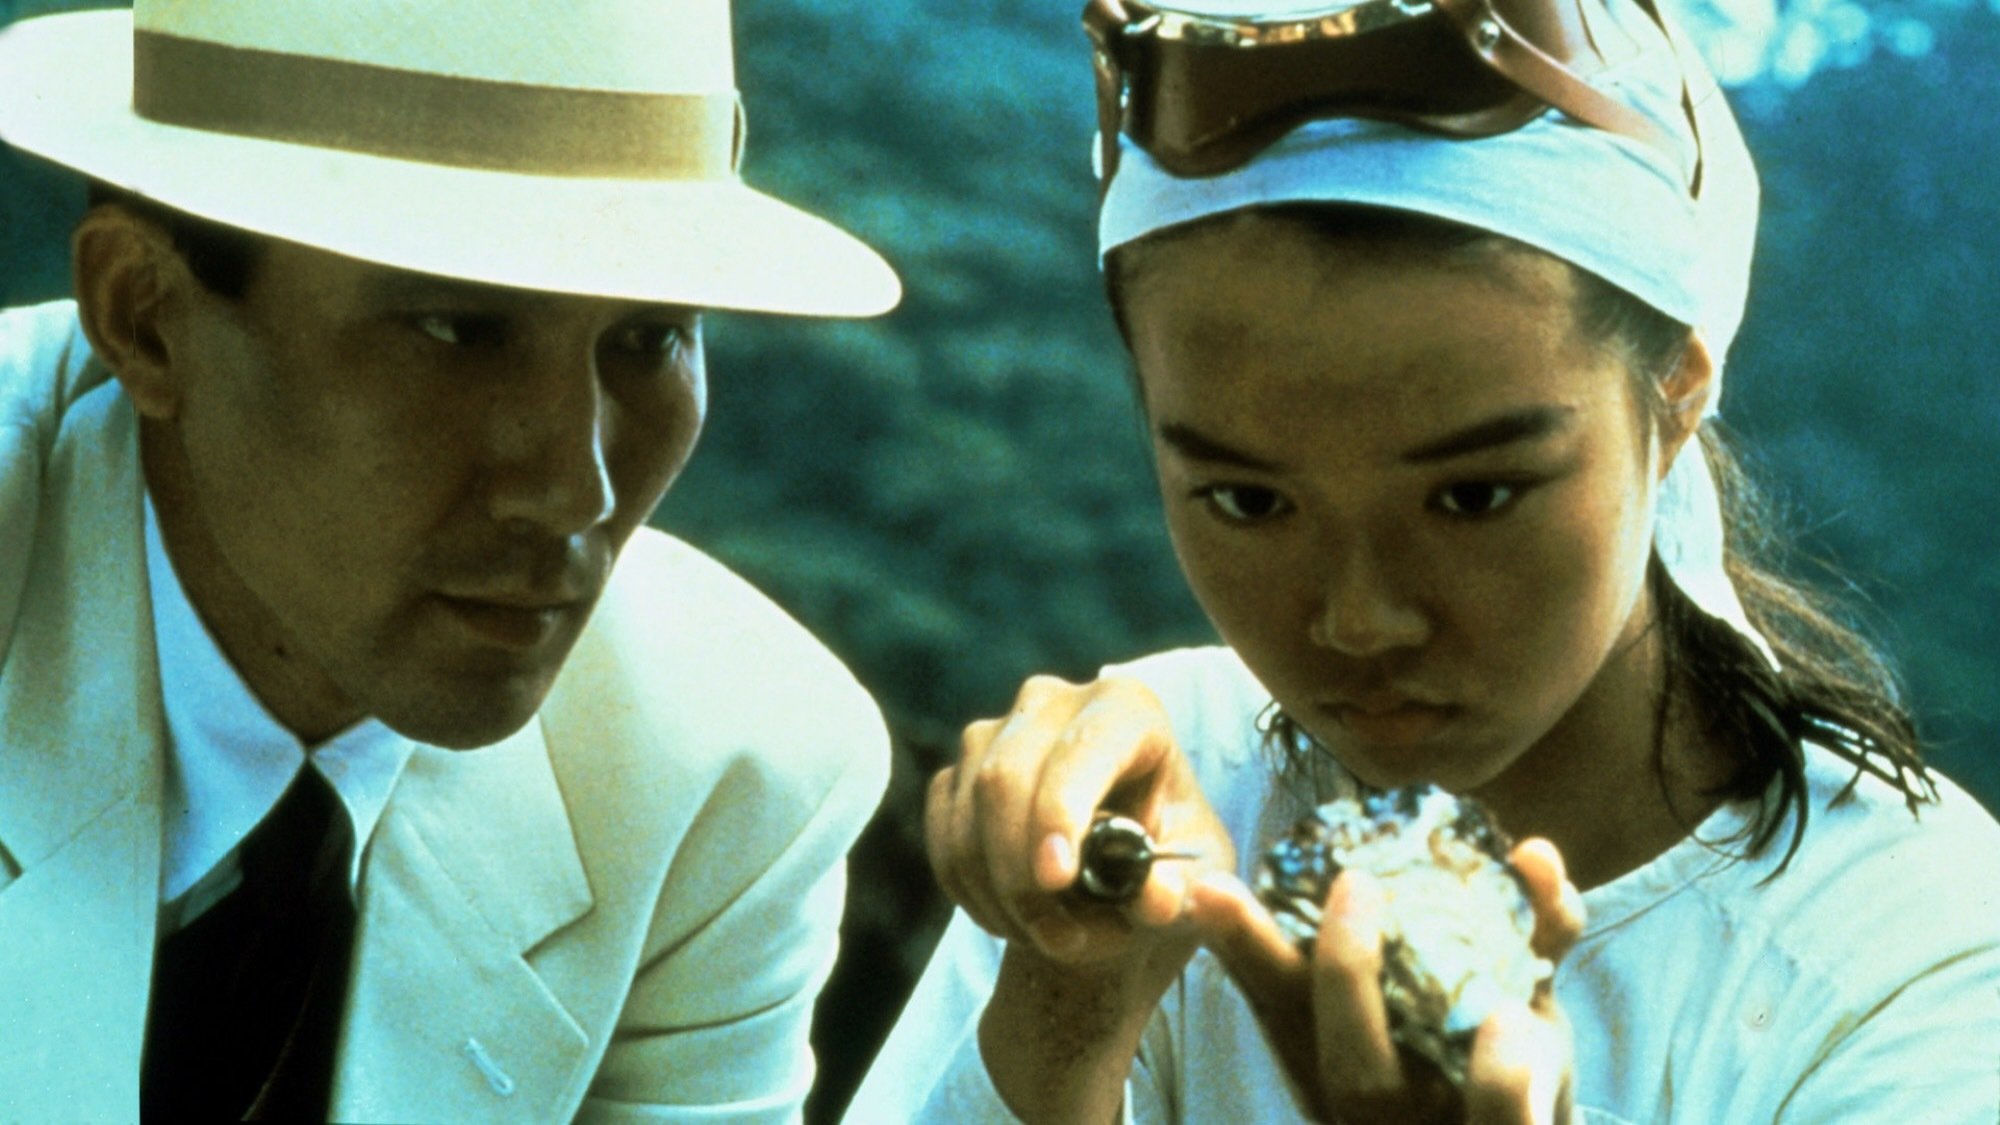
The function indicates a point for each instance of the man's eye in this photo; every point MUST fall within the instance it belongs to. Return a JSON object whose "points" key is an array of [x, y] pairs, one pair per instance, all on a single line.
{"points": [[463, 331], [650, 339], [1244, 503], [1477, 498]]}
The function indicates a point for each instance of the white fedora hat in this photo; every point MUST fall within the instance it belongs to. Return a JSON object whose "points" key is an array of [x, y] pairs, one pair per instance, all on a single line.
{"points": [[588, 147]]}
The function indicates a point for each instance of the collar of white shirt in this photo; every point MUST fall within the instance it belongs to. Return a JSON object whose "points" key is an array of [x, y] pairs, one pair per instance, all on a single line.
{"points": [[229, 760]]}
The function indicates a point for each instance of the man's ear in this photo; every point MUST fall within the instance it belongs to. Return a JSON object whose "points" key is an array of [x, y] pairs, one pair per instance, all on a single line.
{"points": [[129, 283], [1684, 398]]}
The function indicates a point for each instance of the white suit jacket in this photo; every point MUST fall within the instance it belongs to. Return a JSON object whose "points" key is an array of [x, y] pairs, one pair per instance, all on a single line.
{"points": [[623, 912]]}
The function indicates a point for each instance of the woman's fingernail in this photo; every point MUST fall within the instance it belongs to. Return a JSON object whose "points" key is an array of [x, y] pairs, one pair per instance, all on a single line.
{"points": [[1058, 866], [1572, 901], [1359, 904]]}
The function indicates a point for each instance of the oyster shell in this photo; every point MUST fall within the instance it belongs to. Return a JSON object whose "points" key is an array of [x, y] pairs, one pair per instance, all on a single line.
{"points": [[1457, 921]]}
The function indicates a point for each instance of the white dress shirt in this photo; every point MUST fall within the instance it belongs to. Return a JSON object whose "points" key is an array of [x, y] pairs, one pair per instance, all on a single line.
{"points": [[229, 760]]}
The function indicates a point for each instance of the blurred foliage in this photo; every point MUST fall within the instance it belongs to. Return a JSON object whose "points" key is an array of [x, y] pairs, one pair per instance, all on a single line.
{"points": [[972, 501], [957, 495]]}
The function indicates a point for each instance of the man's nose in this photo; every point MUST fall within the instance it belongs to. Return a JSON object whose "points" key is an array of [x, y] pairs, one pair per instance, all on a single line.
{"points": [[1366, 610], [549, 439]]}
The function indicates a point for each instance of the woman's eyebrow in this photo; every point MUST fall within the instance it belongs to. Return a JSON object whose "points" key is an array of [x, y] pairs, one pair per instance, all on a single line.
{"points": [[1191, 443], [1518, 425]]}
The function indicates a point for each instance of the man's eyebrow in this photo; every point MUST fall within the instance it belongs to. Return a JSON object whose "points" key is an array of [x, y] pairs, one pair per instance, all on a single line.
{"points": [[397, 286], [1519, 425], [402, 288], [1194, 444]]}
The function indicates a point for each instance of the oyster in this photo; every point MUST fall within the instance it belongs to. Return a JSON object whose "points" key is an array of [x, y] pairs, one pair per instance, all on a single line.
{"points": [[1457, 920]]}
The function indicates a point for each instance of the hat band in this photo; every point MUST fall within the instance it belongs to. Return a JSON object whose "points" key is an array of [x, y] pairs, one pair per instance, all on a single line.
{"points": [[433, 118]]}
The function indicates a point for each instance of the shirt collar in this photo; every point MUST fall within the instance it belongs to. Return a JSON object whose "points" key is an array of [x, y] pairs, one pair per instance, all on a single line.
{"points": [[229, 760]]}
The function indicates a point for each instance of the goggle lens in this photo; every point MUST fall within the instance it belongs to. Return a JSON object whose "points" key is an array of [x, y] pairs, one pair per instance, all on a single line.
{"points": [[1203, 94]]}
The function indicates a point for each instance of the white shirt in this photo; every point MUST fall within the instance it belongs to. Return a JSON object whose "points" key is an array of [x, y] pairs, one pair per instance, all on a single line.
{"points": [[1861, 985], [229, 760]]}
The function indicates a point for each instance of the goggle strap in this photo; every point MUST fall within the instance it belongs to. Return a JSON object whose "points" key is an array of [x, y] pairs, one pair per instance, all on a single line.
{"points": [[1681, 49], [1517, 59], [1105, 22]]}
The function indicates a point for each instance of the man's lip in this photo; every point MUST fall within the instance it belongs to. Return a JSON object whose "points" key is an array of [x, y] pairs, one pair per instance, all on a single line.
{"points": [[533, 603], [514, 624]]}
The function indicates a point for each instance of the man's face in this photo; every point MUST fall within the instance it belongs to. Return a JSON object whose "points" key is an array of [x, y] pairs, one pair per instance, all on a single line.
{"points": [[397, 495]]}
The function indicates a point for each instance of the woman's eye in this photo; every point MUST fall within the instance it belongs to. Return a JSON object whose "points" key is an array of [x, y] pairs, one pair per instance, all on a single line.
{"points": [[463, 331], [1245, 503], [1476, 498]]}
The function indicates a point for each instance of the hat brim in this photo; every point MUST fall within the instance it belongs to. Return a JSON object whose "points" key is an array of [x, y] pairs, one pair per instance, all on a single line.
{"points": [[67, 84]]}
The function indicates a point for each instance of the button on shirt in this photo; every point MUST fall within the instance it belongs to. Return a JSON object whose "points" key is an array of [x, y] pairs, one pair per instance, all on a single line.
{"points": [[229, 760]]}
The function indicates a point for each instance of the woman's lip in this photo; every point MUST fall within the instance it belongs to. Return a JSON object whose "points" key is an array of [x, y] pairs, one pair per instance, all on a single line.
{"points": [[504, 624], [1399, 722]]}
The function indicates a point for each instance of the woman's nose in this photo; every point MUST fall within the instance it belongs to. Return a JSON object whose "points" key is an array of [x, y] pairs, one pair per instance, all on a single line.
{"points": [[1365, 610]]}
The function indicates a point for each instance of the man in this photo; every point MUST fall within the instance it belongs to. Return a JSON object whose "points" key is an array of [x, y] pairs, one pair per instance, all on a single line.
{"points": [[341, 771]]}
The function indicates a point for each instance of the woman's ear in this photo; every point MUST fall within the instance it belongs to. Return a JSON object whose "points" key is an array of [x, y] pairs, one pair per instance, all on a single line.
{"points": [[129, 281], [1684, 398]]}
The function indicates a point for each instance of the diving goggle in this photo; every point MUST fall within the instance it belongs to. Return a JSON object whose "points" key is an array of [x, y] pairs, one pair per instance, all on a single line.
{"points": [[1202, 93]]}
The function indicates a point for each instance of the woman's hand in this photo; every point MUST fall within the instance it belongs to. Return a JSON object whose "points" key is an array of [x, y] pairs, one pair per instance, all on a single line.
{"points": [[1324, 1013], [1003, 828]]}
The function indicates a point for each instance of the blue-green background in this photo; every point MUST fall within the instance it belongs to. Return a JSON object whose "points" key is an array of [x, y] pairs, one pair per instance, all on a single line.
{"points": [[957, 495]]}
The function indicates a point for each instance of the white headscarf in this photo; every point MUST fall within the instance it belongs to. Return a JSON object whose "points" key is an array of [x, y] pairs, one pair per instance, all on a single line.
{"points": [[1608, 204]]}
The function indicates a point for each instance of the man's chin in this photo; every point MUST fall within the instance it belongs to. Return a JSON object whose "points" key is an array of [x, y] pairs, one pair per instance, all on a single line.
{"points": [[464, 720]]}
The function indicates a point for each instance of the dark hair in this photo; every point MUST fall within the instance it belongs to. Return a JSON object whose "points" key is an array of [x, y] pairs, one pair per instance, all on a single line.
{"points": [[223, 258], [1835, 686]]}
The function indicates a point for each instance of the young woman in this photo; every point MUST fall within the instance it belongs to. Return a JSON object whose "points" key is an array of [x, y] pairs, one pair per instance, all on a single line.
{"points": [[1428, 413]]}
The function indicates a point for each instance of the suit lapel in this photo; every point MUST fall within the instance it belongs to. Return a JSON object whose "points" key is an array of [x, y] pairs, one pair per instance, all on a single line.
{"points": [[473, 865], [81, 733]]}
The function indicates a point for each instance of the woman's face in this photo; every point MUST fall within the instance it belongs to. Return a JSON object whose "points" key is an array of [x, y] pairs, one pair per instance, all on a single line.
{"points": [[1405, 490]]}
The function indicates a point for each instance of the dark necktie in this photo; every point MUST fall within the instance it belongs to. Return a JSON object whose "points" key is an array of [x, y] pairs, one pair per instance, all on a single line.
{"points": [[247, 998]]}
